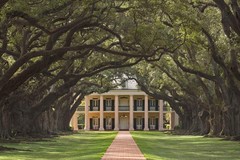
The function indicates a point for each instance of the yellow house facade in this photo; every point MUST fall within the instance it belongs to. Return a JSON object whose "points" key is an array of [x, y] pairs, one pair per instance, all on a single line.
{"points": [[124, 109]]}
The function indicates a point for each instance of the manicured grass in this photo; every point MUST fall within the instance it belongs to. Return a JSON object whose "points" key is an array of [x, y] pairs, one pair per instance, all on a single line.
{"points": [[160, 146], [84, 145]]}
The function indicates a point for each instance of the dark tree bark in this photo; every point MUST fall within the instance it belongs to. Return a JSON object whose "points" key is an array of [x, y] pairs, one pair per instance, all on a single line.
{"points": [[2, 3]]}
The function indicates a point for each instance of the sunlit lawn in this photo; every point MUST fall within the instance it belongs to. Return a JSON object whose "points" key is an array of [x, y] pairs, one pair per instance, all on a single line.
{"points": [[160, 146], [82, 146]]}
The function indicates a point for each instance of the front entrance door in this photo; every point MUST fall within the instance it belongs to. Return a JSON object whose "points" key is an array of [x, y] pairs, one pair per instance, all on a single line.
{"points": [[108, 123], [95, 124], [139, 123], [123, 123]]}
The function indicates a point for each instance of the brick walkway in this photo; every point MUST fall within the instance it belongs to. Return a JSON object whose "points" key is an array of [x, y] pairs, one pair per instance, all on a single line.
{"points": [[123, 147]]}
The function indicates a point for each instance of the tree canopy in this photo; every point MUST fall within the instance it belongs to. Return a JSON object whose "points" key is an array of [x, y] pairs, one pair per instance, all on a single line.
{"points": [[53, 53]]}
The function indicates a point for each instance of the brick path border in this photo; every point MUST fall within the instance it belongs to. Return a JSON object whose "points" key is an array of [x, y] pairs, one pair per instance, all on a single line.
{"points": [[123, 147]]}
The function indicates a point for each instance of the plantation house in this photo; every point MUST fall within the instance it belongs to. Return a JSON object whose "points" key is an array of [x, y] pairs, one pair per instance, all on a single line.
{"points": [[126, 108]]}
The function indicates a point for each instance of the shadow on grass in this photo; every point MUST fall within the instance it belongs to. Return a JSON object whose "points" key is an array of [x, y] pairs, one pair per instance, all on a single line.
{"points": [[83, 145], [157, 145]]}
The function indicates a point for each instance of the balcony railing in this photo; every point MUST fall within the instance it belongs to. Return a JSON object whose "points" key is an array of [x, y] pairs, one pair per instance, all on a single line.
{"points": [[81, 108], [94, 108], [123, 108], [139, 127], [109, 108], [109, 126], [153, 108], [165, 109], [95, 127], [138, 108], [152, 126]]}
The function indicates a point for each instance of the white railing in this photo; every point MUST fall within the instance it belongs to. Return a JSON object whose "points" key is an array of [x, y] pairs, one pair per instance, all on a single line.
{"points": [[139, 126], [152, 126], [123, 108], [95, 108], [95, 127], [108, 108], [108, 126]]}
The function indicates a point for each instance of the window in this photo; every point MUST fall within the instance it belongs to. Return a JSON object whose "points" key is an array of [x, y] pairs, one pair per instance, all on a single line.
{"points": [[95, 123], [139, 102], [108, 123], [152, 102], [95, 102], [108, 103], [139, 123], [152, 121]]}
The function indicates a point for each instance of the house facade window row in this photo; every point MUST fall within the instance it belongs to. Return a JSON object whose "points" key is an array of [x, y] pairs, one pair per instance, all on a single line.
{"points": [[136, 111], [109, 105]]}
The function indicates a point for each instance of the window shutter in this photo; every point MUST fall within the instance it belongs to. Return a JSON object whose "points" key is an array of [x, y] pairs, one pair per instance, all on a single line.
{"points": [[104, 123], [113, 124], [149, 104], [98, 123], [104, 105], [143, 124], [91, 105], [135, 105], [157, 107], [135, 123], [148, 122], [98, 105], [91, 123], [113, 105], [157, 123]]}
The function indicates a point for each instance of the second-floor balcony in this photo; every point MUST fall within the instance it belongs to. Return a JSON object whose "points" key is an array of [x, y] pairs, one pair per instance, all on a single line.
{"points": [[108, 108], [153, 108], [123, 108], [94, 108], [138, 108]]}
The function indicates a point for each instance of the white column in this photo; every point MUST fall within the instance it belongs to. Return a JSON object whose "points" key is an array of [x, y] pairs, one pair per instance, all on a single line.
{"points": [[87, 127], [131, 114], [176, 119], [160, 123], [101, 113], [172, 120], [75, 121], [146, 113], [116, 114]]}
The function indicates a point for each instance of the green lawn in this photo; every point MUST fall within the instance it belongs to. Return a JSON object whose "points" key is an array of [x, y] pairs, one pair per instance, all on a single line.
{"points": [[85, 146], [160, 146]]}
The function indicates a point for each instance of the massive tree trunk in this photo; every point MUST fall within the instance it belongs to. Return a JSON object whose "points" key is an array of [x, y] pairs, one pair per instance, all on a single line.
{"points": [[3, 2], [231, 115], [215, 121], [204, 122], [5, 123], [14, 115], [68, 109]]}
